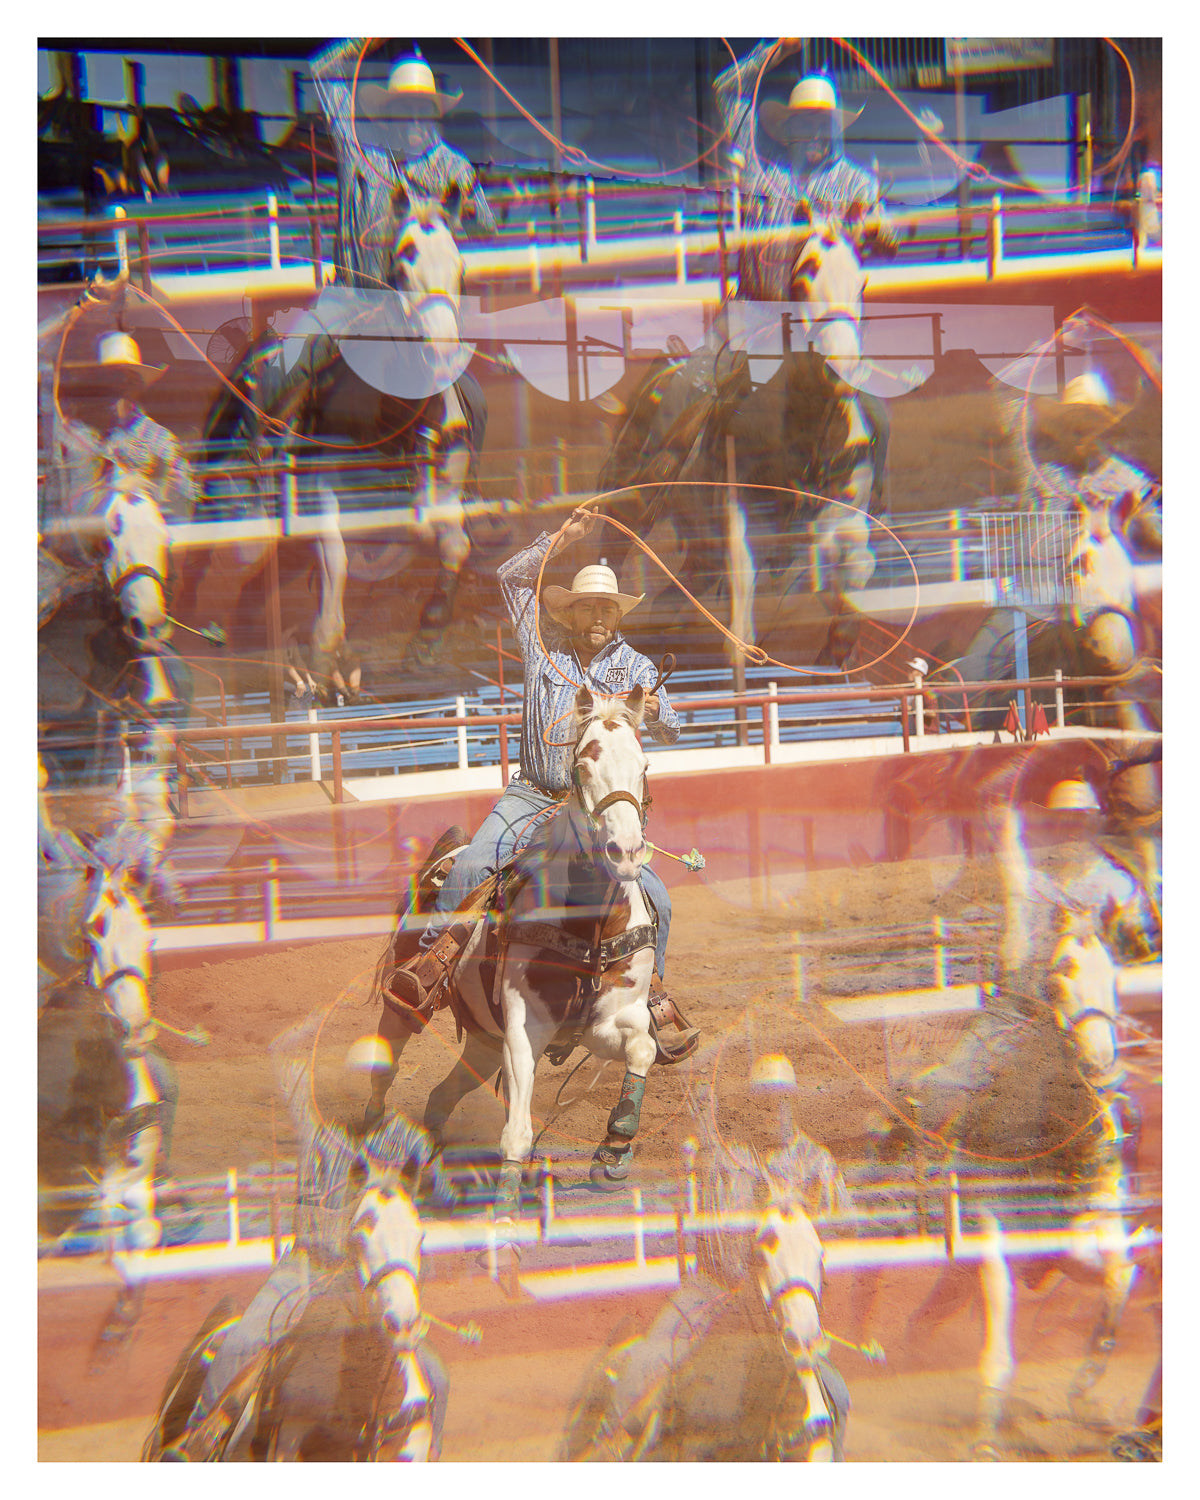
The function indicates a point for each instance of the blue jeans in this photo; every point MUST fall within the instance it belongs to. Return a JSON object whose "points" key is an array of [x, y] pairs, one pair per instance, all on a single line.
{"points": [[506, 830]]}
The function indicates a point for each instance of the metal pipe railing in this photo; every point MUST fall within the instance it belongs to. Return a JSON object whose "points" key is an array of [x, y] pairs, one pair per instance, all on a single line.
{"points": [[765, 702]]}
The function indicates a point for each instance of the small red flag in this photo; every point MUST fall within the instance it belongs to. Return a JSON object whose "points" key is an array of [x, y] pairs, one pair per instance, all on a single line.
{"points": [[1039, 721], [1013, 722]]}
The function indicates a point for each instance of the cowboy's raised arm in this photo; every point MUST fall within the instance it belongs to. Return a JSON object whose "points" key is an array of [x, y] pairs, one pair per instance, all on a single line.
{"points": [[734, 90], [518, 583], [332, 73]]}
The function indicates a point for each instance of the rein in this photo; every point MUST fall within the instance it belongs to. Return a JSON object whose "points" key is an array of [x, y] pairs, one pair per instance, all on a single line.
{"points": [[372, 1283], [127, 973]]}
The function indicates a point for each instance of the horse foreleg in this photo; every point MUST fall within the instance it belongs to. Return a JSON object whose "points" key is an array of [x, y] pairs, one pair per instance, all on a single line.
{"points": [[396, 1029], [843, 536], [612, 1158], [1119, 1276], [520, 1063], [479, 1060], [997, 1363]]}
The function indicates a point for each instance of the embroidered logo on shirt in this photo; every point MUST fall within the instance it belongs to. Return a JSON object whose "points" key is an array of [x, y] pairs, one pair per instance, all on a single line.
{"points": [[615, 677]]}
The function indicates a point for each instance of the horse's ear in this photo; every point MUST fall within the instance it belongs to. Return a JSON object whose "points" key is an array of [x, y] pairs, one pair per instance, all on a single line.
{"points": [[802, 214], [401, 202], [452, 202], [636, 703], [584, 702]]}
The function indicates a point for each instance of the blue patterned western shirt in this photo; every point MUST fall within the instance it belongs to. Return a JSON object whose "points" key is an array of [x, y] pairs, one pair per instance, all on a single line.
{"points": [[553, 675], [368, 173]]}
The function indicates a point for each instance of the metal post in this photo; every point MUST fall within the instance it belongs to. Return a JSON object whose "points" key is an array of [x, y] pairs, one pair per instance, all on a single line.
{"points": [[571, 341], [590, 213], [733, 522], [504, 769], [1058, 699], [535, 270], [271, 899], [231, 1193], [952, 1217], [639, 1229], [773, 689], [181, 780], [919, 705], [1021, 648], [314, 745], [287, 494], [995, 236], [939, 954], [143, 234], [460, 708], [122, 243], [337, 765], [555, 104], [273, 229], [680, 249], [904, 720]]}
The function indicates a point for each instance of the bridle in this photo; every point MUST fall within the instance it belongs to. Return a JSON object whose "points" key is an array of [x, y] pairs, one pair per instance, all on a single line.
{"points": [[592, 814]]}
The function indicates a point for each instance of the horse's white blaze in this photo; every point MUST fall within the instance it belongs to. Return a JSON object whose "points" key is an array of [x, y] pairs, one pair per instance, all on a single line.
{"points": [[1083, 981], [789, 1255]]}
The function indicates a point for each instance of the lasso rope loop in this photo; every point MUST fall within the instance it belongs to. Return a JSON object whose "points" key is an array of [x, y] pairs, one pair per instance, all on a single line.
{"points": [[757, 655]]}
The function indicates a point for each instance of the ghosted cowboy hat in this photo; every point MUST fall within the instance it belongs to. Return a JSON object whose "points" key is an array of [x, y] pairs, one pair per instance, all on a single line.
{"points": [[411, 93], [119, 360], [1084, 410], [1072, 795], [595, 581], [813, 95]]}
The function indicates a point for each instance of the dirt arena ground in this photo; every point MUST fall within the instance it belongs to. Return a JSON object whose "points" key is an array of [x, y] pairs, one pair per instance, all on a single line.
{"points": [[732, 966]]}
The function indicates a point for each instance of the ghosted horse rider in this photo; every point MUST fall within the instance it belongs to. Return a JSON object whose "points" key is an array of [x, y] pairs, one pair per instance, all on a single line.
{"points": [[576, 640]]}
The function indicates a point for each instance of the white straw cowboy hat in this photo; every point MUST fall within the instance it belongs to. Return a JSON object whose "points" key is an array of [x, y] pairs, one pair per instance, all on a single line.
{"points": [[813, 95], [594, 581], [1072, 795], [411, 93], [118, 357], [1085, 409]]}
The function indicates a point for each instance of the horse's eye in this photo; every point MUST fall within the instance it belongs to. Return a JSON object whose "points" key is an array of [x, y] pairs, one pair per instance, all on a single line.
{"points": [[407, 253], [768, 1241]]}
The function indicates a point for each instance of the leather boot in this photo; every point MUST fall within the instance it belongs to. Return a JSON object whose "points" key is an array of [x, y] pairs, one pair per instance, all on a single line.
{"points": [[663, 1012], [421, 979]]}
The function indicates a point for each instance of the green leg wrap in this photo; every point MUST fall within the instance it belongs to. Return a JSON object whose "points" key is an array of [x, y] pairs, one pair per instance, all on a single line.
{"points": [[508, 1187], [628, 1111]]}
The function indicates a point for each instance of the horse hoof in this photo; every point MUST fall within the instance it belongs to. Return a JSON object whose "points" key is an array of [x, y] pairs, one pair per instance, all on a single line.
{"points": [[609, 1167], [422, 652], [437, 613]]}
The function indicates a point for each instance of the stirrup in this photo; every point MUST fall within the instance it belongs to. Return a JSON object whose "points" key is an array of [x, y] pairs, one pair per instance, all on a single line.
{"points": [[663, 1010]]}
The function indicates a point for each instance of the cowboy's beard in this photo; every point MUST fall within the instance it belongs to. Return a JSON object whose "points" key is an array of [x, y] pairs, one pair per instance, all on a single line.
{"points": [[594, 637]]}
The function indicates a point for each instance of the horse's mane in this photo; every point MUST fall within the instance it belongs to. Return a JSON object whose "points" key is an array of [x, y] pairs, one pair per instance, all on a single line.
{"points": [[606, 706]]}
